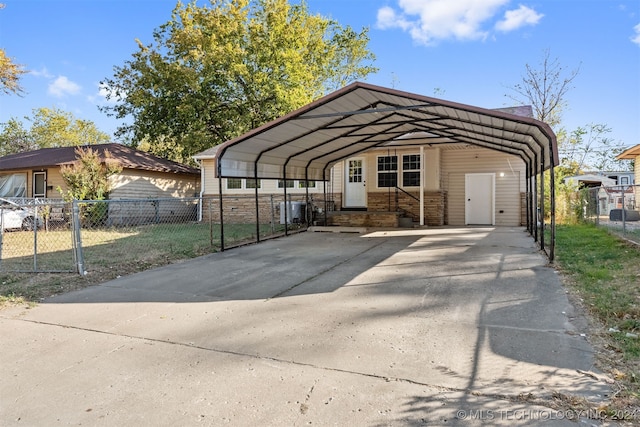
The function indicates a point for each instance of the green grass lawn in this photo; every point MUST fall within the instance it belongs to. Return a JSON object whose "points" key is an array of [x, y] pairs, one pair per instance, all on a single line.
{"points": [[108, 253], [603, 273]]}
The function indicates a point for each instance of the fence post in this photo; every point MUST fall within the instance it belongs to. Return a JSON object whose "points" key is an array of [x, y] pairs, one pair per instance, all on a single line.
{"points": [[624, 209], [35, 238], [77, 238], [597, 199], [273, 217]]}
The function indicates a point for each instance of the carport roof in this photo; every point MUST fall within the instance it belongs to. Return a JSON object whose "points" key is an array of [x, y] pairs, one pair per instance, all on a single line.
{"points": [[305, 143]]}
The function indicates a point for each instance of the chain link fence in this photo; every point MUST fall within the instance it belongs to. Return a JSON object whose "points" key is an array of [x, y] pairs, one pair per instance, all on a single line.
{"points": [[613, 207], [118, 237]]}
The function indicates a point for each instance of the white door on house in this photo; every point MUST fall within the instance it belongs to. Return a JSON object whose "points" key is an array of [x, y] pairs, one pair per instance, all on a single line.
{"points": [[479, 189], [355, 183]]}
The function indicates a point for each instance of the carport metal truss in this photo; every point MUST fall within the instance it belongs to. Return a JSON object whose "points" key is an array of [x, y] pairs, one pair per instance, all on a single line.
{"points": [[306, 143]]}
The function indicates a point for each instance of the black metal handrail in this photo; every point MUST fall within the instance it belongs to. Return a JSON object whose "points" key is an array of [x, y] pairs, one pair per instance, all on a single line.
{"points": [[406, 212]]}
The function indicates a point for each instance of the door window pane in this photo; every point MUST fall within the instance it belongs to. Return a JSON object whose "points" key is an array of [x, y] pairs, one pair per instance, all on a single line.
{"points": [[355, 170]]}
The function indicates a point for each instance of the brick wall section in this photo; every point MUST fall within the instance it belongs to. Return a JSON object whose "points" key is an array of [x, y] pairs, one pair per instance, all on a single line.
{"points": [[434, 210], [364, 219], [240, 209]]}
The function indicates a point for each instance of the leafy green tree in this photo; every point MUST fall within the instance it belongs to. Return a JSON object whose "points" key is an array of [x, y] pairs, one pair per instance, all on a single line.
{"points": [[52, 127], [88, 178], [48, 128], [14, 138], [216, 72]]}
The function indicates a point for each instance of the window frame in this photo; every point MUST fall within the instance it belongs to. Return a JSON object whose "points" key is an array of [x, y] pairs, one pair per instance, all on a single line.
{"points": [[386, 170], [244, 183], [411, 170]]}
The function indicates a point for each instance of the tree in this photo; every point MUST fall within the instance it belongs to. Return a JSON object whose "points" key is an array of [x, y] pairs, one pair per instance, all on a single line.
{"points": [[589, 148], [585, 147], [88, 178], [216, 72], [49, 128], [57, 128], [545, 88], [10, 74], [14, 138]]}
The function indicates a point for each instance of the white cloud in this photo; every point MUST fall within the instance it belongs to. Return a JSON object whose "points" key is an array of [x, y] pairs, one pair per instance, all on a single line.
{"points": [[63, 86], [41, 73], [514, 19], [428, 21], [636, 37]]}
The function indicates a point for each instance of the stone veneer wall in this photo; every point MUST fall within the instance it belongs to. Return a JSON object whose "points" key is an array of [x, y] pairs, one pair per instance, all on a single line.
{"points": [[364, 219], [240, 209], [434, 210]]}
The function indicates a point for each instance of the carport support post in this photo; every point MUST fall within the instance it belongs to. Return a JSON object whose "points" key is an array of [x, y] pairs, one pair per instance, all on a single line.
{"points": [[255, 183], [221, 209], [542, 203], [526, 195], [552, 213], [307, 205], [324, 191], [422, 185], [285, 206]]}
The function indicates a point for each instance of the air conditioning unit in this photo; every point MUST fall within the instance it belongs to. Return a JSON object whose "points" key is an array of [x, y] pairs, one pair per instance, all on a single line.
{"points": [[295, 212]]}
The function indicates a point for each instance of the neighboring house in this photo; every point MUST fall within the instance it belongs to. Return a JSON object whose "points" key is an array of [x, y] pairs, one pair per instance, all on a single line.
{"points": [[36, 174], [463, 184], [633, 153], [615, 189], [592, 179]]}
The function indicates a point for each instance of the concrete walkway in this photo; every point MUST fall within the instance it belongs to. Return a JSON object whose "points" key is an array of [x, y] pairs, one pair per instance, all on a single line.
{"points": [[455, 326]]}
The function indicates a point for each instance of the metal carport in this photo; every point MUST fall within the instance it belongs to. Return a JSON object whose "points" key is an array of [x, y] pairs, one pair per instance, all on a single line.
{"points": [[306, 143]]}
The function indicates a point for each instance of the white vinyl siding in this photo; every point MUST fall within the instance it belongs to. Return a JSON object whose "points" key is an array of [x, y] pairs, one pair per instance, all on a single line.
{"points": [[509, 183], [267, 186]]}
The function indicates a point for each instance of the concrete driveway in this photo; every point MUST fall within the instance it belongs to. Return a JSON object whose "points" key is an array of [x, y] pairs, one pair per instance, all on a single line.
{"points": [[455, 326]]}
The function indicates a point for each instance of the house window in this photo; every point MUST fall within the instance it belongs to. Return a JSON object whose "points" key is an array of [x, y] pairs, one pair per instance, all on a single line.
{"points": [[14, 185], [624, 180], [234, 183], [290, 183], [306, 184], [387, 171], [411, 170], [252, 183]]}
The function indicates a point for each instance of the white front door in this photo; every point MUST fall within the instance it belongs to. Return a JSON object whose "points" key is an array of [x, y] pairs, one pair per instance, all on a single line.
{"points": [[355, 183], [479, 189]]}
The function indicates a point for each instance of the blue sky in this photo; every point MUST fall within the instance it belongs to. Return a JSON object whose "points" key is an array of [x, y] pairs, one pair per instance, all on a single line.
{"points": [[467, 51]]}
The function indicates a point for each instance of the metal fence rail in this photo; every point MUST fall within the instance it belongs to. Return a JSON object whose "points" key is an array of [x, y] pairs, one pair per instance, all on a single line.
{"points": [[123, 236], [616, 208]]}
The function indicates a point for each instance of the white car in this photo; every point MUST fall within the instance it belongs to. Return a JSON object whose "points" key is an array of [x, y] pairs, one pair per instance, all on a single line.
{"points": [[16, 217]]}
